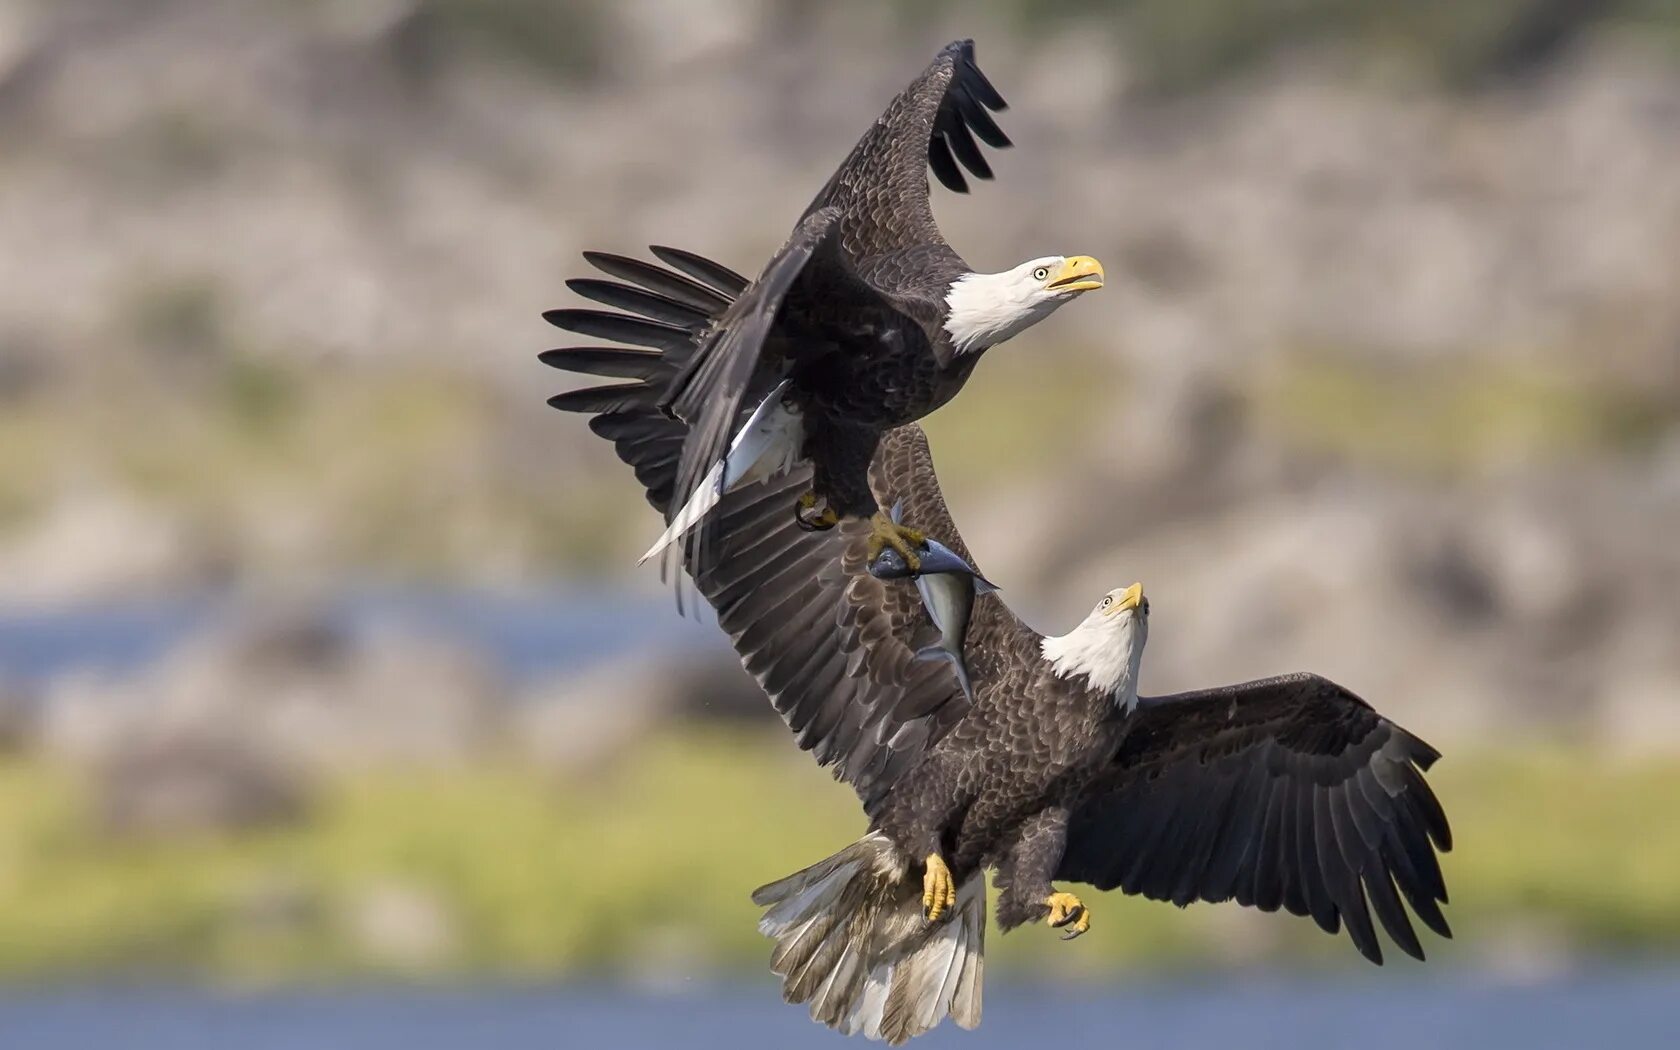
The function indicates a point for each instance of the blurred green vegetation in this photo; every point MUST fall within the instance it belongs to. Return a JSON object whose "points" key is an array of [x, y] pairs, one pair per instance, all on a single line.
{"points": [[412, 472], [1171, 46], [1453, 419], [1176, 46], [379, 469], [1025, 409], [276, 462], [647, 869], [276, 459], [558, 38]]}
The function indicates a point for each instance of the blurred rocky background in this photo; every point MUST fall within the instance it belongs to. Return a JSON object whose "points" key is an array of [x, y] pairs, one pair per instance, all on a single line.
{"points": [[321, 646]]}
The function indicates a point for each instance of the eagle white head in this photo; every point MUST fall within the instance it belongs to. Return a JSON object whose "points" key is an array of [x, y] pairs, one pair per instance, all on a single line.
{"points": [[1107, 646], [984, 309]]}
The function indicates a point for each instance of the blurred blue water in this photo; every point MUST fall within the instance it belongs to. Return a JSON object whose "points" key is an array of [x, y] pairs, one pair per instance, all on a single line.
{"points": [[1624, 1009], [524, 634]]}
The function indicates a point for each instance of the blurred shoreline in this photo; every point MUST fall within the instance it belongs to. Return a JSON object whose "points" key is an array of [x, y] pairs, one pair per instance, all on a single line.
{"points": [[290, 844], [523, 633], [1274, 1011]]}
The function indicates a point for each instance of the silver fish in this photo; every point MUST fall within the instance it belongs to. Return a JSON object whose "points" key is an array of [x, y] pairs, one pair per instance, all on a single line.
{"points": [[948, 585]]}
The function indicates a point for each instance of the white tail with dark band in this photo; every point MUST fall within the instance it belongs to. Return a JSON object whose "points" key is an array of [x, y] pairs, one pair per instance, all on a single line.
{"points": [[852, 941]]}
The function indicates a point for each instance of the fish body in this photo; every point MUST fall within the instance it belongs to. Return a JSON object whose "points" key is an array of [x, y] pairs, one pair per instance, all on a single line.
{"points": [[948, 586]]}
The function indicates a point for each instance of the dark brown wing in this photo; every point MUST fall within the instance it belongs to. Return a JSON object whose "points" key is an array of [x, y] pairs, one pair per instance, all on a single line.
{"points": [[831, 645], [1285, 792], [882, 186]]}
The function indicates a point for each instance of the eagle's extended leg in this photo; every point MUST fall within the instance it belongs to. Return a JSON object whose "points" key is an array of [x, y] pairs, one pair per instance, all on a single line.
{"points": [[939, 889], [1024, 875], [886, 532]]}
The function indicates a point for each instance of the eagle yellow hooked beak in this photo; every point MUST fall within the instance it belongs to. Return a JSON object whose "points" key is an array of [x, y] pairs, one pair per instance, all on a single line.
{"points": [[1130, 598], [1078, 273]]}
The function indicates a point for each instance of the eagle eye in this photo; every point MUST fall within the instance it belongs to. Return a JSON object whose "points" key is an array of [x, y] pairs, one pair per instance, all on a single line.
{"points": [[1106, 602], [1041, 273]]}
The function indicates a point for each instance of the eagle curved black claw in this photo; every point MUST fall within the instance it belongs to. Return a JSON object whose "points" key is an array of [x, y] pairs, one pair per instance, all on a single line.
{"points": [[1067, 911], [821, 521], [1077, 930]]}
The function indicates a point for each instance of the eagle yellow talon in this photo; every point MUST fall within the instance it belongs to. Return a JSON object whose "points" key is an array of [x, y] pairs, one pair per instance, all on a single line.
{"points": [[939, 890], [1067, 912], [901, 538]]}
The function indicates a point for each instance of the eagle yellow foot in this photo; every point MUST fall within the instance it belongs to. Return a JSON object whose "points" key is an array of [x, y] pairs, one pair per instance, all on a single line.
{"points": [[939, 890], [901, 538], [820, 521], [1069, 912]]}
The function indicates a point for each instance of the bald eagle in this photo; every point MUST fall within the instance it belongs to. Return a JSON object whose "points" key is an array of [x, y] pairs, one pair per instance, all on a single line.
{"points": [[864, 320], [1028, 754]]}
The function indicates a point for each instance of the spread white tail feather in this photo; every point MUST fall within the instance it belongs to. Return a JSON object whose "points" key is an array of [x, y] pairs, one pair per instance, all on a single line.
{"points": [[767, 446], [852, 941]]}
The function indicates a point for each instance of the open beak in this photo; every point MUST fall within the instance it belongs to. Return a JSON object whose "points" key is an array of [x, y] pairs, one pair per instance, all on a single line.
{"points": [[1079, 273], [1130, 598]]}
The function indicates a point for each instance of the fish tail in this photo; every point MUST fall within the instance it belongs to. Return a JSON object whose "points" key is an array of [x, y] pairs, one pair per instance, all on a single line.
{"points": [[958, 667]]}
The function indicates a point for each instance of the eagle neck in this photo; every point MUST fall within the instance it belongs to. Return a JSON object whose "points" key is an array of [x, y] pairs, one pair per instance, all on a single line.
{"points": [[984, 309], [1105, 655]]}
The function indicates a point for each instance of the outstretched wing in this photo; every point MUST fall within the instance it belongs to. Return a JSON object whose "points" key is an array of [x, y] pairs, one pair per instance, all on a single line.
{"points": [[832, 646], [882, 186], [1286, 792]]}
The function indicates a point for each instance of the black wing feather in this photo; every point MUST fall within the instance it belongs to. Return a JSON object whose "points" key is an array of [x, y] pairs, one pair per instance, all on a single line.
{"points": [[963, 147], [976, 81], [717, 275], [603, 325], [945, 167], [658, 279], [978, 120], [597, 399], [653, 305], [611, 361]]}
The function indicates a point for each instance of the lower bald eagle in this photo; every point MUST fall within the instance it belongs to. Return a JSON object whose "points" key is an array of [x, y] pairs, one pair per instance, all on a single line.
{"points": [[1287, 792]]}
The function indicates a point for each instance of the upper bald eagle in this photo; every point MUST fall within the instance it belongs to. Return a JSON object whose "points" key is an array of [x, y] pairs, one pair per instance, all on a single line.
{"points": [[864, 320], [1286, 792]]}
